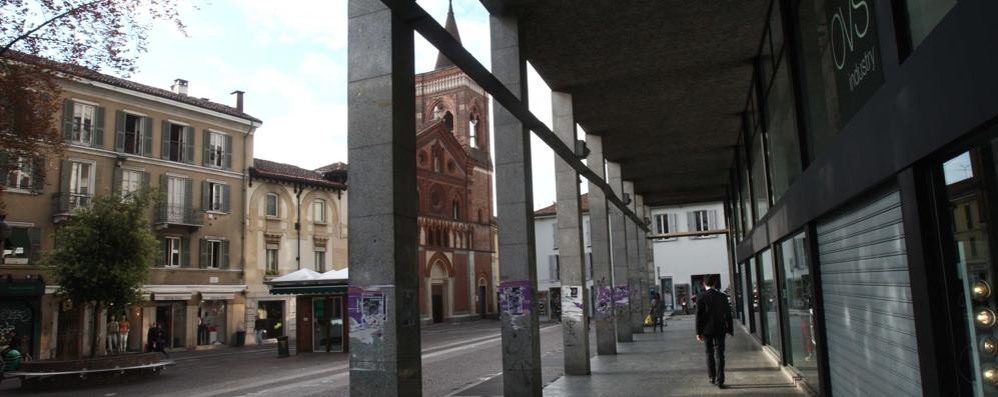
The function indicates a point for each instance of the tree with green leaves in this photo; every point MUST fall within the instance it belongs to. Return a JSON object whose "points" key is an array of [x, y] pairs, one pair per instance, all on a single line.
{"points": [[103, 255]]}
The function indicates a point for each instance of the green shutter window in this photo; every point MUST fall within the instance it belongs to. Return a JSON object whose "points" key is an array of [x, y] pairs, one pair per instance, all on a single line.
{"points": [[226, 200], [116, 181], [185, 252], [35, 239], [164, 251], [4, 158], [188, 145], [37, 174], [164, 150], [205, 196], [188, 197], [147, 136], [67, 171], [206, 149], [227, 156], [67, 119], [224, 263], [205, 253], [145, 179], [98, 141], [164, 190], [119, 131]]}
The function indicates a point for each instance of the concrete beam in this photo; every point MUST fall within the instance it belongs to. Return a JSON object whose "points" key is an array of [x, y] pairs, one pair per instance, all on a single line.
{"points": [[599, 236], [521, 359], [574, 292], [618, 244], [384, 345]]}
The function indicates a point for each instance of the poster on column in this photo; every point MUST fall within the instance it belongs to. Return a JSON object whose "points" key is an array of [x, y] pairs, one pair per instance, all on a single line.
{"points": [[514, 297], [367, 310], [604, 300], [622, 296], [571, 301]]}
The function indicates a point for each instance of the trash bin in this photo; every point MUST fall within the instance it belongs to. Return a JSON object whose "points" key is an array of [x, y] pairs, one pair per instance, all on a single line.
{"points": [[240, 338], [282, 346]]}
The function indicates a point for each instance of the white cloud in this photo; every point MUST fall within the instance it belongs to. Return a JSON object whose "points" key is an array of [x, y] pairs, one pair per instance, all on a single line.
{"points": [[297, 21]]}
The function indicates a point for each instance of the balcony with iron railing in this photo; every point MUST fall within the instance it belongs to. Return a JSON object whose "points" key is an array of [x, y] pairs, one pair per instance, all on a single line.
{"points": [[174, 215], [64, 204]]}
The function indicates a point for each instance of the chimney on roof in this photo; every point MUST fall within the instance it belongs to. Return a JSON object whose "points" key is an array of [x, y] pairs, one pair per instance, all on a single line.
{"points": [[239, 99], [179, 87]]}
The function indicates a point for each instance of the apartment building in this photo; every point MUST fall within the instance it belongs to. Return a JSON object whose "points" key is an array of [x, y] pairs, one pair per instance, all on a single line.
{"points": [[122, 136]]}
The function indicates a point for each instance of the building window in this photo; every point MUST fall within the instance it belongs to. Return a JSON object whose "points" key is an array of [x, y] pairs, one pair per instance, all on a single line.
{"points": [[132, 134], [924, 15], [177, 202], [702, 221], [271, 204], [20, 176], [320, 261], [24, 243], [272, 261], [554, 235], [178, 142], [131, 181], [213, 254], [473, 131], [173, 248], [457, 210], [216, 196], [554, 267], [216, 149], [81, 184], [83, 123], [319, 211], [585, 233]]}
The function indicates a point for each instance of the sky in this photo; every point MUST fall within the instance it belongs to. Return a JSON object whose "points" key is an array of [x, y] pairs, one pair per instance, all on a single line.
{"points": [[290, 58]]}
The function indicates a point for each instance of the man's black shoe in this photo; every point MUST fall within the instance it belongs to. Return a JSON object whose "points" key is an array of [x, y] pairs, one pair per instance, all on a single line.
{"points": [[712, 381], [721, 386]]}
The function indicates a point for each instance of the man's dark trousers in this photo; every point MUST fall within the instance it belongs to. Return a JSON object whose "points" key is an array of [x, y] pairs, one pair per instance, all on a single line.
{"points": [[715, 357]]}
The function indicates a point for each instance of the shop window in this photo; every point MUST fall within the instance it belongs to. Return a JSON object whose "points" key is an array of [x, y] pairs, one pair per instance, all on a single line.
{"points": [[923, 16], [760, 187], [798, 301], [24, 244], [783, 145], [211, 322]]}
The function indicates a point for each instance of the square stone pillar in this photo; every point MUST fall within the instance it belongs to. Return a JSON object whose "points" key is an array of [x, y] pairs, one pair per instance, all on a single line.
{"points": [[634, 269], [574, 292], [521, 358], [618, 250], [599, 236], [384, 336], [642, 264], [649, 255]]}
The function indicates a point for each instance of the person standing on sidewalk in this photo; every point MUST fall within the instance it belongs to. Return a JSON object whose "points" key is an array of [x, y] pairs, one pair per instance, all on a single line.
{"points": [[657, 311], [713, 322], [259, 327], [112, 335], [123, 327]]}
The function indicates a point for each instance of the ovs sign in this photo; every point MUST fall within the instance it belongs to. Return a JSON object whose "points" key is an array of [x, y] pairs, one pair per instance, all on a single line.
{"points": [[852, 41]]}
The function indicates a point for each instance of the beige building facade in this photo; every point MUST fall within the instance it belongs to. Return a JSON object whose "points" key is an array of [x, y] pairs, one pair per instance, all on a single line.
{"points": [[122, 136]]}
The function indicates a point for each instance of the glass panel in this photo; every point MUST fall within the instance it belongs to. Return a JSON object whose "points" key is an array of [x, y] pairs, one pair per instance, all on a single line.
{"points": [[784, 148], [320, 325], [211, 323], [336, 324], [179, 336], [756, 306], [746, 200], [760, 192], [965, 187], [924, 15], [798, 301], [769, 303], [820, 92]]}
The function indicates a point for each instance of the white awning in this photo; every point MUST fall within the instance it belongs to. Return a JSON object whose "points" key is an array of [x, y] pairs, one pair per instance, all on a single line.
{"points": [[299, 275], [342, 274], [217, 297], [171, 297]]}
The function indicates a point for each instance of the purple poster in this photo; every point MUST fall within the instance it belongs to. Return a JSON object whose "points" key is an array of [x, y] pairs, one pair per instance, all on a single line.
{"points": [[604, 300], [621, 296], [367, 313], [514, 297]]}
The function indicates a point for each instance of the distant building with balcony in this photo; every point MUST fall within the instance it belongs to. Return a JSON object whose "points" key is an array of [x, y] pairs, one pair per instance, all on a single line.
{"points": [[296, 219], [548, 261], [122, 136]]}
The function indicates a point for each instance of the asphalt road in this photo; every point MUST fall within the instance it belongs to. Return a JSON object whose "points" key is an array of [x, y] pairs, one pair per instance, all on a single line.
{"points": [[456, 357]]}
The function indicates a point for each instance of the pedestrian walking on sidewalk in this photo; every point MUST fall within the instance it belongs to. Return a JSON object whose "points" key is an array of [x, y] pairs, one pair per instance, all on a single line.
{"points": [[713, 322], [657, 311]]}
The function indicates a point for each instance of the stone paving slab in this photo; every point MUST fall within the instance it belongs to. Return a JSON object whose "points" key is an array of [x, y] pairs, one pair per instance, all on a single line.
{"points": [[673, 363]]}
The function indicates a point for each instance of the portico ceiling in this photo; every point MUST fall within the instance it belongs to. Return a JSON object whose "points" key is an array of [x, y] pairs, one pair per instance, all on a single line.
{"points": [[663, 82]]}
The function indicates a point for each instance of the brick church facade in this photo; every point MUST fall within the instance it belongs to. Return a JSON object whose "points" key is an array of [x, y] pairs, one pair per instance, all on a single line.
{"points": [[454, 180]]}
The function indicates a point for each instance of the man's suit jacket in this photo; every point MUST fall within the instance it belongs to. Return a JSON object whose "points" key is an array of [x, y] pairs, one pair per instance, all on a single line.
{"points": [[714, 314]]}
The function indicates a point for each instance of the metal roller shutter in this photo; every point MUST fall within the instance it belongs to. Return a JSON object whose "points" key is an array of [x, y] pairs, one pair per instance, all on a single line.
{"points": [[867, 300]]}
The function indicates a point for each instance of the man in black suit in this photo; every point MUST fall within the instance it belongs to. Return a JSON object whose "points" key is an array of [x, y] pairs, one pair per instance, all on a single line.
{"points": [[713, 321]]}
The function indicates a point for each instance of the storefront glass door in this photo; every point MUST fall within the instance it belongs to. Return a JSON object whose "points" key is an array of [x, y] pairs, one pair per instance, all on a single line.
{"points": [[327, 328]]}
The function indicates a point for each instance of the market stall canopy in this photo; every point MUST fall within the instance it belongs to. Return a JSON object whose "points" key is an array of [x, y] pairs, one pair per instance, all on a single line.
{"points": [[308, 282]]}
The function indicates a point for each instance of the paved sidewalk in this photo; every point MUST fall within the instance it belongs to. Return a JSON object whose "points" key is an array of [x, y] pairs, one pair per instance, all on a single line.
{"points": [[673, 363]]}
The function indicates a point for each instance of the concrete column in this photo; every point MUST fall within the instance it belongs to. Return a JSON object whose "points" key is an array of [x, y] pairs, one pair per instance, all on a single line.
{"points": [[599, 237], [649, 255], [574, 293], [618, 250], [634, 270], [521, 359], [642, 264], [384, 339]]}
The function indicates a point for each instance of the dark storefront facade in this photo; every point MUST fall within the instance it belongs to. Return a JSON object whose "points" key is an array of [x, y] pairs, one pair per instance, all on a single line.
{"points": [[321, 323], [861, 196]]}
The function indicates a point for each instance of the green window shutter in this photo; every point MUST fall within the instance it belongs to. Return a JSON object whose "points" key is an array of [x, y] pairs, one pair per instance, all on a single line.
{"points": [[164, 150], [164, 250], [226, 199], [205, 195], [4, 158], [185, 252], [189, 145], [67, 171], [98, 141], [188, 196], [119, 131], [35, 238], [116, 181], [224, 263], [67, 119], [164, 187], [145, 179], [206, 149], [147, 136], [37, 174], [227, 156], [204, 253]]}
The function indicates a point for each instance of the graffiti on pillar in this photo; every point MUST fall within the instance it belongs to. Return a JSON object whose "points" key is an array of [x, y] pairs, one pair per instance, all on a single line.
{"points": [[572, 310], [604, 299], [621, 296], [636, 296], [514, 301], [368, 313]]}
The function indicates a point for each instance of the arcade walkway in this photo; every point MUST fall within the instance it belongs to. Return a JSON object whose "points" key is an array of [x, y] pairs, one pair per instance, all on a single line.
{"points": [[673, 364]]}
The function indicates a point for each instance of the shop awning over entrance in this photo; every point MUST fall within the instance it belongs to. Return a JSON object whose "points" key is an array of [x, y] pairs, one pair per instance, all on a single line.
{"points": [[308, 282]]}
